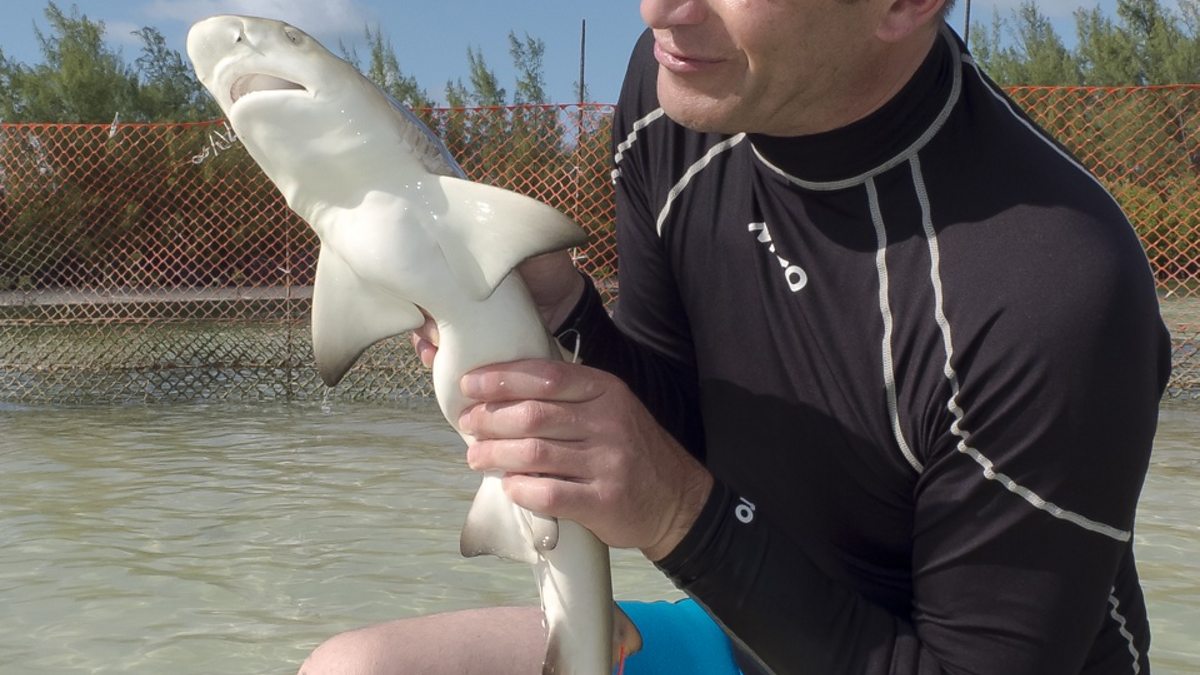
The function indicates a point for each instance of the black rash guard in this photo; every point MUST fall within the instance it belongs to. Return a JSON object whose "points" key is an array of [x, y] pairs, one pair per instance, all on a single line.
{"points": [[922, 357]]}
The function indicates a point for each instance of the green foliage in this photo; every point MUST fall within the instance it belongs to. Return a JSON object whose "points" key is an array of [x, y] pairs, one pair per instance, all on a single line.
{"points": [[582, 93], [1168, 223], [1035, 54], [126, 198], [485, 86], [169, 89], [527, 57], [1105, 53], [384, 70], [85, 208], [1147, 44], [81, 80], [1139, 142]]}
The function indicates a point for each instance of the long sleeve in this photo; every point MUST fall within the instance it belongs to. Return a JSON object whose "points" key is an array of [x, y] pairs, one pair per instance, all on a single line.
{"points": [[926, 357]]}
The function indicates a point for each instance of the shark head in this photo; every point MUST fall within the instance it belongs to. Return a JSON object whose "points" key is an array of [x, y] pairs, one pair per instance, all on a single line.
{"points": [[401, 231], [239, 59], [284, 95], [298, 107]]}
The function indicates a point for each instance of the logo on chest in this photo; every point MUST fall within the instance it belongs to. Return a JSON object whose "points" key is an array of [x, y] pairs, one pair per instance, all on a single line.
{"points": [[795, 275]]}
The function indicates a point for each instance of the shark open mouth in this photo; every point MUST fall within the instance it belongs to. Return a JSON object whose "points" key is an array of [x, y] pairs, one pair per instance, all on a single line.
{"points": [[248, 84]]}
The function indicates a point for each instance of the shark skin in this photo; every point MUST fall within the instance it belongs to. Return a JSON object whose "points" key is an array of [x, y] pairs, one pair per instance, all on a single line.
{"points": [[403, 235]]}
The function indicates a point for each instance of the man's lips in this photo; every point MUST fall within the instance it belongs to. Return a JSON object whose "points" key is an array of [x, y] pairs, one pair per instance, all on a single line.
{"points": [[681, 63]]}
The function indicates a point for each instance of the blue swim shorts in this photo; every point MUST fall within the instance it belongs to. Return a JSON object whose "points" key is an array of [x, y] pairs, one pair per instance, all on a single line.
{"points": [[678, 637]]}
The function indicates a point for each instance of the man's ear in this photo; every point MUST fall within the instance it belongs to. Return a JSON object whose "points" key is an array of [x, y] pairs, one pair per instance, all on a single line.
{"points": [[905, 17]]}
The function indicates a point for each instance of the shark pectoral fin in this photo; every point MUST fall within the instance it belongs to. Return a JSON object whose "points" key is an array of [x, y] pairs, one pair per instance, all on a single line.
{"points": [[487, 231], [349, 316], [496, 527]]}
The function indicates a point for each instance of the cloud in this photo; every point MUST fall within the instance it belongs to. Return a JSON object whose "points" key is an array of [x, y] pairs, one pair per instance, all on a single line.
{"points": [[122, 33], [319, 17]]}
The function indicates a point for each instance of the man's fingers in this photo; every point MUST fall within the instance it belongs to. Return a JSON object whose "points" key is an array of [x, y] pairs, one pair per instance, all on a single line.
{"points": [[546, 420], [425, 349], [533, 379], [425, 341], [533, 456], [550, 494]]}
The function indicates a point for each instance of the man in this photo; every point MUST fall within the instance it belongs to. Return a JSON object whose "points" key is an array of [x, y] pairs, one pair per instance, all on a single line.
{"points": [[883, 379]]}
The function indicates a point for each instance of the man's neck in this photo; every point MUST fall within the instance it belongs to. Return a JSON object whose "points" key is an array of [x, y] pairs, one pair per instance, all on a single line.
{"points": [[876, 81]]}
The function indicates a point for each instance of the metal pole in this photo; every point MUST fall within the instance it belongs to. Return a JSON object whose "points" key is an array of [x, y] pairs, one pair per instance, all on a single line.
{"points": [[967, 25], [577, 208], [582, 59]]}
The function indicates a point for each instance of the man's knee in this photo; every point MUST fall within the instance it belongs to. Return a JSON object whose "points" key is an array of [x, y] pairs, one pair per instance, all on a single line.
{"points": [[350, 653]]}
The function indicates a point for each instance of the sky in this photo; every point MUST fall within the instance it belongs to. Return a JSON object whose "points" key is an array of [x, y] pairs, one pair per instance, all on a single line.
{"points": [[431, 38]]}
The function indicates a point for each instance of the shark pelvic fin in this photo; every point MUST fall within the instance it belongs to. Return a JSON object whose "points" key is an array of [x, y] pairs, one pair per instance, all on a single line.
{"points": [[487, 231], [348, 316], [496, 526]]}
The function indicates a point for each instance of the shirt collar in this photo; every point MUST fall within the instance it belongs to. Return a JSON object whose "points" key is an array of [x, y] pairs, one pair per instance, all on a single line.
{"points": [[849, 155]]}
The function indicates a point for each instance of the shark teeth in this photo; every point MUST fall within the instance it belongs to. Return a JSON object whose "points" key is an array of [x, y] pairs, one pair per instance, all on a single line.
{"points": [[248, 84]]}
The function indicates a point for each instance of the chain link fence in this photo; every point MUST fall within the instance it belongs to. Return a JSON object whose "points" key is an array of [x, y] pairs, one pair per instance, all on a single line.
{"points": [[157, 262], [1143, 143]]}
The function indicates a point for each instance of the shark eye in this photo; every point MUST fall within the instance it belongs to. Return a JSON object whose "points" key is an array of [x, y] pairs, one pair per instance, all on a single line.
{"points": [[292, 34]]}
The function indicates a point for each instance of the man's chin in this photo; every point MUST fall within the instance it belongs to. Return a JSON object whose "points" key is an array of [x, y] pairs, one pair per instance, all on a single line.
{"points": [[699, 111]]}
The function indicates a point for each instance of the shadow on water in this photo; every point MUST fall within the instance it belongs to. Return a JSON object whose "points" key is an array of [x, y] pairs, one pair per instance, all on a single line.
{"points": [[220, 538]]}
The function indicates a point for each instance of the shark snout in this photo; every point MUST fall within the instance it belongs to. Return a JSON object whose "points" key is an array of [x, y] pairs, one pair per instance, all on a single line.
{"points": [[223, 34], [212, 39], [245, 53]]}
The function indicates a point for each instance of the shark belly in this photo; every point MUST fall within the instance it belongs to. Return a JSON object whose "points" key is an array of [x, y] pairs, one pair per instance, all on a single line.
{"points": [[570, 564]]}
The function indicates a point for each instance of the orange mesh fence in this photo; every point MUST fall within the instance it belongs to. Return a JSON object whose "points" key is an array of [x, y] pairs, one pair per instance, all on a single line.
{"points": [[1143, 143], [157, 262]]}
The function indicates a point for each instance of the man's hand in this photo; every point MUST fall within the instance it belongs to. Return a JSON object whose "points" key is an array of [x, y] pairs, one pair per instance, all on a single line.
{"points": [[575, 443], [553, 283], [425, 341]]}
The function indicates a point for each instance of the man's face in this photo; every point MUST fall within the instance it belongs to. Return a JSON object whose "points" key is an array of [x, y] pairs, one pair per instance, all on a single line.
{"points": [[759, 65]]}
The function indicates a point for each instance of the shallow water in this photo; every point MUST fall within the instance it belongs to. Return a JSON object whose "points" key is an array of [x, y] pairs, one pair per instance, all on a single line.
{"points": [[232, 539]]}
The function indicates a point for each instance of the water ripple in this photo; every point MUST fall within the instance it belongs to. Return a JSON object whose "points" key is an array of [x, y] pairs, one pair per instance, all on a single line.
{"points": [[232, 539]]}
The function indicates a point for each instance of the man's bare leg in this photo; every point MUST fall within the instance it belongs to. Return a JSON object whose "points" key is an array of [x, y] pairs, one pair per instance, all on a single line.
{"points": [[493, 641]]}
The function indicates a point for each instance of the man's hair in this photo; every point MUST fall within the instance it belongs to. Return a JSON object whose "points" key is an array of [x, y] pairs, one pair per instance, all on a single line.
{"points": [[944, 11]]}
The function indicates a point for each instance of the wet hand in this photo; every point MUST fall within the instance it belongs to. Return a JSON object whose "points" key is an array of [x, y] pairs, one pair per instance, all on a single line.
{"points": [[575, 443]]}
